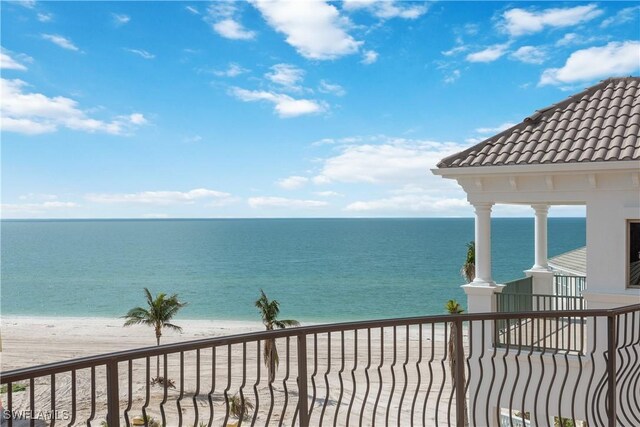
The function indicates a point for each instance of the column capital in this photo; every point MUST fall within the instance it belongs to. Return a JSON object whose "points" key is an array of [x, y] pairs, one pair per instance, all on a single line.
{"points": [[541, 208], [483, 206]]}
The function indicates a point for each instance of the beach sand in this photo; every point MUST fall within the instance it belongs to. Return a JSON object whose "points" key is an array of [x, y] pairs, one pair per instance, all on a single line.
{"points": [[413, 373]]}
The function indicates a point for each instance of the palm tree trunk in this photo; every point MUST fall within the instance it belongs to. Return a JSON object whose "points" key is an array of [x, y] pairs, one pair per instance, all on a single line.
{"points": [[272, 361]]}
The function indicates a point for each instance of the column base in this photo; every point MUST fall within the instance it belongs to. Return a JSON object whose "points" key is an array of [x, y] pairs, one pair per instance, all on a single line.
{"points": [[480, 296], [542, 280]]}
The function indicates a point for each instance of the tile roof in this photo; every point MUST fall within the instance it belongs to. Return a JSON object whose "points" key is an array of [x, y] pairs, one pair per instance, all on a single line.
{"points": [[573, 262], [602, 123]]}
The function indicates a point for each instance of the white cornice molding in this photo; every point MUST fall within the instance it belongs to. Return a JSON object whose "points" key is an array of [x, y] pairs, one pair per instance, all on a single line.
{"points": [[554, 168]]}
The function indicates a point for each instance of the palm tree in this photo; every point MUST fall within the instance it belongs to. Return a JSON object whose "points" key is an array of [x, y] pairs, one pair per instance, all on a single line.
{"points": [[468, 269], [269, 311], [159, 313], [453, 307]]}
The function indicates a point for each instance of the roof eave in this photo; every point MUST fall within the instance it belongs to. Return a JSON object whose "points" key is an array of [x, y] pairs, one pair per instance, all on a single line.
{"points": [[545, 168]]}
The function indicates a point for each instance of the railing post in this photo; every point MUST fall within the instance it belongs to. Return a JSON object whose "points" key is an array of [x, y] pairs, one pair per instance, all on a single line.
{"points": [[612, 336], [303, 398], [113, 395], [461, 398]]}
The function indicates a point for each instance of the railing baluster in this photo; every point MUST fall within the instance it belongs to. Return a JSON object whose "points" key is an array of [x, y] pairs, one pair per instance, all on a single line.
{"points": [[429, 364], [147, 387], [461, 399], [284, 383], [225, 393], [93, 396], [303, 398], [393, 374], [326, 378], [213, 385], [612, 337], [53, 401], [419, 375], [314, 373], [353, 375], [366, 375], [404, 374], [255, 385], [129, 392], [165, 384], [196, 392], [181, 395], [375, 405], [339, 403], [32, 401], [113, 395], [243, 383]]}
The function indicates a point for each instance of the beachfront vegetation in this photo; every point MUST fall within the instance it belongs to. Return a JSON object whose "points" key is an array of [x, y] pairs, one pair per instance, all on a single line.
{"points": [[453, 307], [240, 408], [468, 269], [269, 310], [14, 388], [159, 313]]}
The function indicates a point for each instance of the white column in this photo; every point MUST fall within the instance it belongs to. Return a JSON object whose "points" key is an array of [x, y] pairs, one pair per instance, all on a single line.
{"points": [[483, 244], [542, 276], [541, 237]]}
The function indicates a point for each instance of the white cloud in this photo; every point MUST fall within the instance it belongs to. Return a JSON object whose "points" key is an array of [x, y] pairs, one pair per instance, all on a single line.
{"points": [[293, 182], [282, 202], [369, 57], [192, 9], [35, 113], [573, 39], [332, 88], [29, 4], [328, 194], [61, 41], [223, 17], [455, 50], [141, 53], [286, 75], [160, 197], [489, 54], [137, 119], [387, 9], [530, 55], [392, 161], [231, 29], [517, 22], [233, 70], [8, 63], [623, 16], [613, 59], [285, 106], [452, 77], [27, 209], [314, 28], [497, 129], [424, 203], [120, 19], [192, 139], [44, 17]]}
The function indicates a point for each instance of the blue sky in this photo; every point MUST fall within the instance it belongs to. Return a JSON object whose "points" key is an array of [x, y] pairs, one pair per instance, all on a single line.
{"points": [[280, 109]]}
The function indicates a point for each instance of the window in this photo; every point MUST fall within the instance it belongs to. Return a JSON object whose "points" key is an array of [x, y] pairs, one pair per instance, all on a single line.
{"points": [[633, 256]]}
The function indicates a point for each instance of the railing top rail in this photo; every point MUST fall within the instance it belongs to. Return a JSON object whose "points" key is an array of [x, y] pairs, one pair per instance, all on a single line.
{"points": [[103, 359]]}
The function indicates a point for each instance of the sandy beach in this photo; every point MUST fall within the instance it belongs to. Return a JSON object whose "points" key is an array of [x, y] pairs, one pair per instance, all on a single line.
{"points": [[344, 380]]}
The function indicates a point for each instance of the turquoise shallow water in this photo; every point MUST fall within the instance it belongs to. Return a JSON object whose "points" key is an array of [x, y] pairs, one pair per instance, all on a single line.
{"points": [[319, 269]]}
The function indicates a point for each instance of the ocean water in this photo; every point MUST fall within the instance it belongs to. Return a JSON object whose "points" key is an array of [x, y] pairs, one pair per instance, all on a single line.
{"points": [[318, 269]]}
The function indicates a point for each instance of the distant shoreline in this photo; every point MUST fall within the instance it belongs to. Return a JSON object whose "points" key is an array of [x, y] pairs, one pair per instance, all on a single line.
{"points": [[271, 218]]}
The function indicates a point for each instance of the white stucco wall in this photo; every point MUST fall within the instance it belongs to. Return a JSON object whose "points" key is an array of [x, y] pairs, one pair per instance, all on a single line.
{"points": [[607, 216]]}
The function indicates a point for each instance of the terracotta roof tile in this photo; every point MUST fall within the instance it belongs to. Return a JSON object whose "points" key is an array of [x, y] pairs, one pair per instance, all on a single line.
{"points": [[601, 123]]}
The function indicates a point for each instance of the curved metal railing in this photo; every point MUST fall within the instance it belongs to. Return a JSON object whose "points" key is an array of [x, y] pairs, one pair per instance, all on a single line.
{"points": [[428, 370]]}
